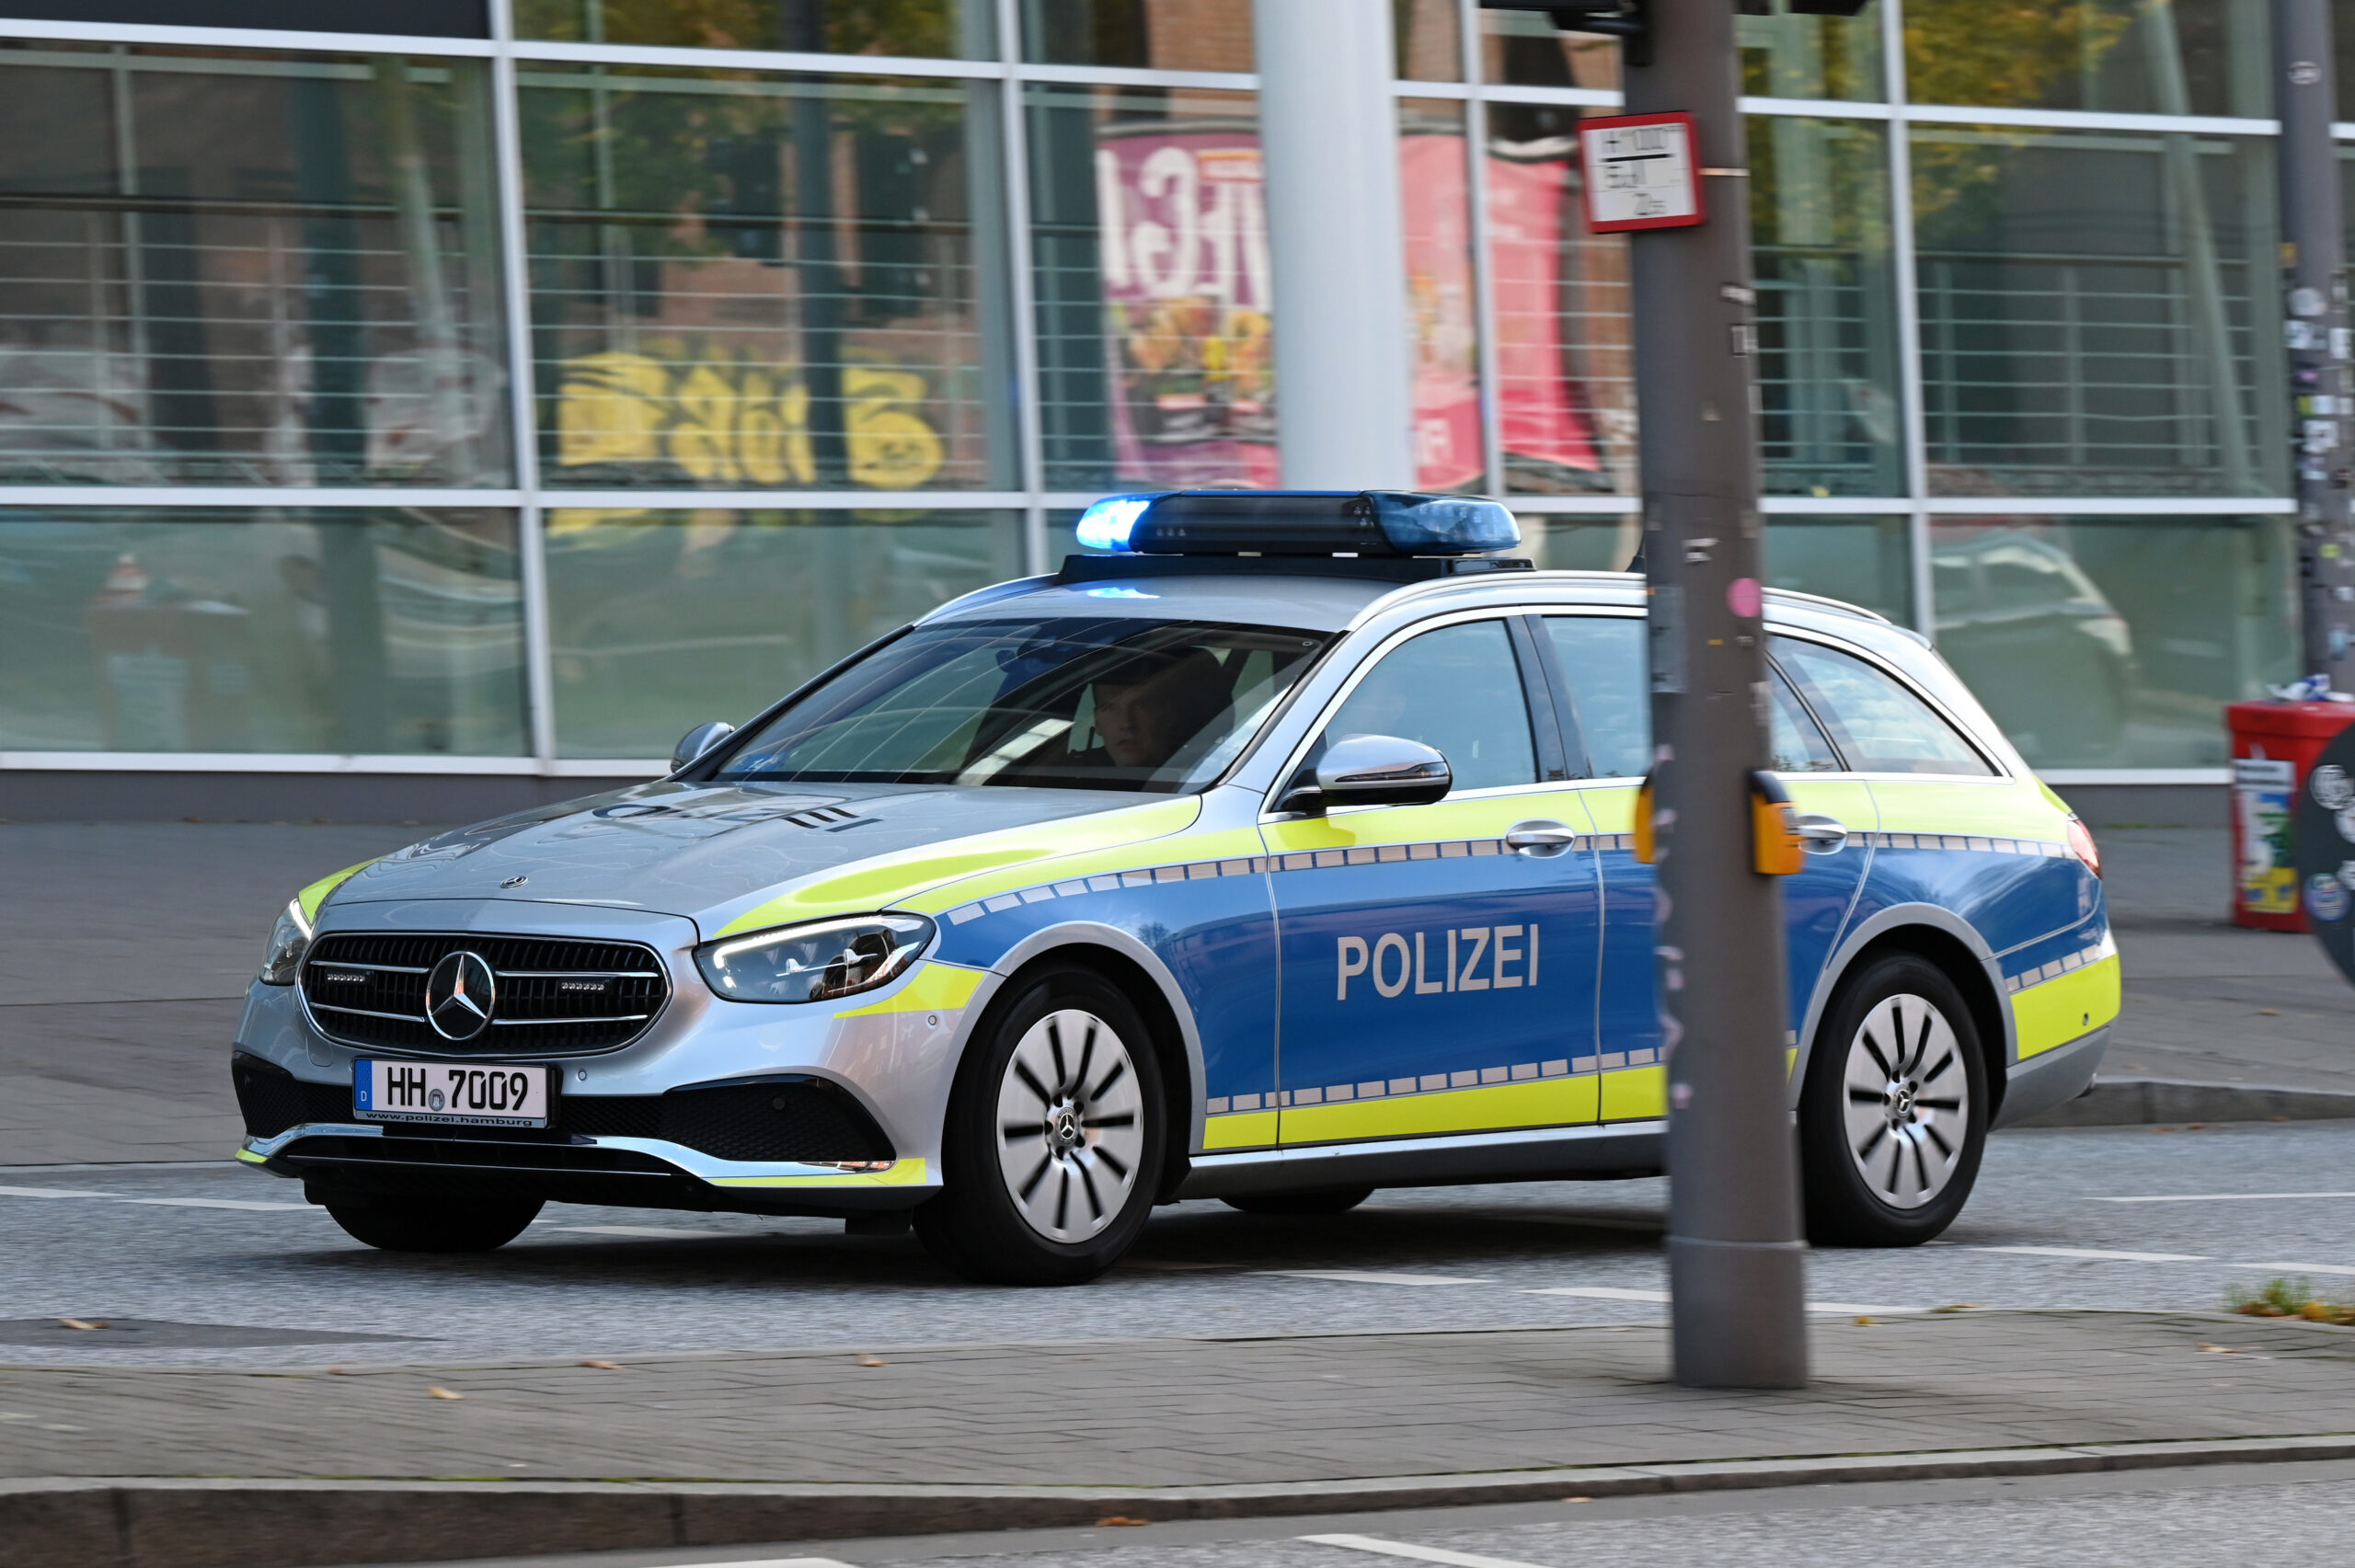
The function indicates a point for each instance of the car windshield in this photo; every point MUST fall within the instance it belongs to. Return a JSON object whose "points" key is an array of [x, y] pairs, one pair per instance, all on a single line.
{"points": [[1155, 706]]}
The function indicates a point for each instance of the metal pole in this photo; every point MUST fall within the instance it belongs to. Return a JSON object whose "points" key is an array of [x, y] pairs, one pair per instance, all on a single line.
{"points": [[2314, 292], [1736, 1262], [1328, 133]]}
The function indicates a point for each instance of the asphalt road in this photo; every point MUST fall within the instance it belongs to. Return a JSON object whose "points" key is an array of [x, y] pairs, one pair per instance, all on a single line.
{"points": [[2195, 1519], [273, 1282]]}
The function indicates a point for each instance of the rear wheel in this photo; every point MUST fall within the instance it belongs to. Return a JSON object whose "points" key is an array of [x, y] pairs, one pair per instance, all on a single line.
{"points": [[1054, 1138], [1337, 1200], [1893, 1118], [434, 1224]]}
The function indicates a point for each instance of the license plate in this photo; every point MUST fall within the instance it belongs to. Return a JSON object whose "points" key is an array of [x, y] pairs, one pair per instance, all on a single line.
{"points": [[451, 1093]]}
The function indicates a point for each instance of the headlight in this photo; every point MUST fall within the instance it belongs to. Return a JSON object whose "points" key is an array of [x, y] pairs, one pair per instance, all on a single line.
{"points": [[289, 940], [817, 962]]}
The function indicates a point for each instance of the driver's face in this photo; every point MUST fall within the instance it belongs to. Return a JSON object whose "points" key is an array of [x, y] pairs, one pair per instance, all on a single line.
{"points": [[1131, 726]]}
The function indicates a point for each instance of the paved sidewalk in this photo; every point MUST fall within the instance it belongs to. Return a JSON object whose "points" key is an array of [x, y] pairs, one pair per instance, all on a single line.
{"points": [[1191, 1412]]}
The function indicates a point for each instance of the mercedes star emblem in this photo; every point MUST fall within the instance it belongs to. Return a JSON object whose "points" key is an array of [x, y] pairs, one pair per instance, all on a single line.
{"points": [[459, 995]]}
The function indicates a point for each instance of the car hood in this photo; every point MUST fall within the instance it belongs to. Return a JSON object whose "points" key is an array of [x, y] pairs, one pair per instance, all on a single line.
{"points": [[716, 852]]}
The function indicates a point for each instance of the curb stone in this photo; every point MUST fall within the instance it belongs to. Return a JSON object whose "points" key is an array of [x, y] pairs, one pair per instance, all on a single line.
{"points": [[298, 1524], [2142, 1102]]}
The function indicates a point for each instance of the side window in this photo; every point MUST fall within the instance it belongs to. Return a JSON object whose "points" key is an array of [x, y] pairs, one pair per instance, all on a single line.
{"points": [[1457, 689], [1881, 726], [1603, 659], [1797, 741]]}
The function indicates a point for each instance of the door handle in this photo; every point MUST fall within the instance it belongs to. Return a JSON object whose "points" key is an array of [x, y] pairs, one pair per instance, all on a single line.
{"points": [[1823, 835], [1540, 838]]}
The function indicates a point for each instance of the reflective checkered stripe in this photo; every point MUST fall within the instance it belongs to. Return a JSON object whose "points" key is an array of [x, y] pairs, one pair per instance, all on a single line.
{"points": [[2064, 999], [1260, 865], [1960, 842]]}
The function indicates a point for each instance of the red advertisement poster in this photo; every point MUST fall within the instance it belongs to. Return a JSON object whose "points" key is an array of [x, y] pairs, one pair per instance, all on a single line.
{"points": [[1188, 296]]}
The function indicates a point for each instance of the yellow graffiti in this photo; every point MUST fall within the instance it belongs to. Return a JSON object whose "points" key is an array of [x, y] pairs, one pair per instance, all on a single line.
{"points": [[734, 422]]}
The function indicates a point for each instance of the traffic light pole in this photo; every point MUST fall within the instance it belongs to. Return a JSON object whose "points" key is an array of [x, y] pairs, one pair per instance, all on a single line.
{"points": [[1736, 1259], [2313, 300]]}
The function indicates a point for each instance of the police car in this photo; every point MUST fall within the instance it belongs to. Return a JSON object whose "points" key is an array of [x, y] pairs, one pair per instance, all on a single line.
{"points": [[1284, 852]]}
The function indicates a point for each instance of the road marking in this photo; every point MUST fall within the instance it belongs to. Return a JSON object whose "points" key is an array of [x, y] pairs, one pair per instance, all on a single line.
{"points": [[2097, 1253], [1602, 1293], [659, 1234], [1851, 1307], [2297, 1267], [1368, 1276], [1418, 1553], [47, 1192], [2216, 1198], [212, 1203], [782, 1562]]}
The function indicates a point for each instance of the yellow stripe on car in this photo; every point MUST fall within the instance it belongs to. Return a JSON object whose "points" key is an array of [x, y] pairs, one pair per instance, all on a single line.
{"points": [[899, 1174], [1246, 1130], [1634, 1094], [1548, 1101], [892, 879], [316, 893], [2053, 1012], [934, 988]]}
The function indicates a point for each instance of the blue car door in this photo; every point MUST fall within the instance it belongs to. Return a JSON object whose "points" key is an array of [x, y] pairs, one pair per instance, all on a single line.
{"points": [[1433, 979], [1601, 658]]}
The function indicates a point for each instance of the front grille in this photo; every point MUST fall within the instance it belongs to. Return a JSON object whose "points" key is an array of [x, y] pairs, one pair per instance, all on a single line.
{"points": [[554, 996]]}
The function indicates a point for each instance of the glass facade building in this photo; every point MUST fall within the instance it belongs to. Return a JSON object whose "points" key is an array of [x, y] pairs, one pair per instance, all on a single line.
{"points": [[504, 396]]}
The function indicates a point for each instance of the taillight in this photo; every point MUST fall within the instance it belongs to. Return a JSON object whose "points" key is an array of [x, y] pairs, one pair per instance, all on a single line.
{"points": [[2080, 844]]}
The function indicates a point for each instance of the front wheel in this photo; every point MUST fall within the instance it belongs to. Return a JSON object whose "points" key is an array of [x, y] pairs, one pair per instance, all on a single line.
{"points": [[1054, 1138], [1893, 1116], [433, 1224]]}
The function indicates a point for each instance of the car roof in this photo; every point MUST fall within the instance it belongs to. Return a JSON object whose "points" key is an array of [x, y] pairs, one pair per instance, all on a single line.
{"points": [[1259, 591]]}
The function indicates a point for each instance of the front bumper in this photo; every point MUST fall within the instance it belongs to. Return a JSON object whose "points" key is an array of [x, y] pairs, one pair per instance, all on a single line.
{"points": [[883, 1061]]}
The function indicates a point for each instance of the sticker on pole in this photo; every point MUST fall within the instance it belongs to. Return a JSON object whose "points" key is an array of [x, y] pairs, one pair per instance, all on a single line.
{"points": [[1639, 172]]}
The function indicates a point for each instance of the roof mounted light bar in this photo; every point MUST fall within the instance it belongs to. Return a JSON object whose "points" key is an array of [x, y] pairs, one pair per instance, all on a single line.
{"points": [[1297, 523]]}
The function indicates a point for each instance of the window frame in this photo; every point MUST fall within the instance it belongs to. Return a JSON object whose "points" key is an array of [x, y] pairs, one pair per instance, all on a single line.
{"points": [[1534, 696], [1832, 731]]}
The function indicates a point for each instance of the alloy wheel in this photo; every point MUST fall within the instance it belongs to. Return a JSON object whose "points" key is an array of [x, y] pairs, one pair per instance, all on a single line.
{"points": [[1908, 1101], [1071, 1126]]}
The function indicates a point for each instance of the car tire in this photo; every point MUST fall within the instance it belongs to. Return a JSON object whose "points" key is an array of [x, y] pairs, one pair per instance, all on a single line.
{"points": [[1894, 1114], [434, 1224], [1053, 1144], [1335, 1200]]}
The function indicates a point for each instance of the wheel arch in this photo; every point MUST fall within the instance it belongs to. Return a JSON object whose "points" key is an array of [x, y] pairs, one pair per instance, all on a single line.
{"points": [[1145, 979], [1943, 939]]}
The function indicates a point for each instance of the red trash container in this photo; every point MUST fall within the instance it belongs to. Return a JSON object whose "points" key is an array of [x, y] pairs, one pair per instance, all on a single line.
{"points": [[2273, 745]]}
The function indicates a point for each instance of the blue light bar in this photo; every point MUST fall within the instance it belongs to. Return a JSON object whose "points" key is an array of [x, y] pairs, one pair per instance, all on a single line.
{"points": [[1107, 524], [1297, 523]]}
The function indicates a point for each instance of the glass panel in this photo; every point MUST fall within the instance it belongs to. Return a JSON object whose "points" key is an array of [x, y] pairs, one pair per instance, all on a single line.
{"points": [[2089, 311], [369, 630], [2116, 642], [239, 270], [1443, 326], [1782, 55], [1827, 307], [1786, 56], [1580, 542], [745, 281], [1827, 311], [660, 620], [1457, 689], [1859, 560], [1604, 660], [953, 28], [1431, 40], [1881, 726], [1174, 35], [1067, 703], [1155, 359], [2122, 56]]}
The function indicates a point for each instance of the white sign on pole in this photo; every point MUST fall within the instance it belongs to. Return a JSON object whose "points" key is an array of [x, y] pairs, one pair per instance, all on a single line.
{"points": [[1640, 173]]}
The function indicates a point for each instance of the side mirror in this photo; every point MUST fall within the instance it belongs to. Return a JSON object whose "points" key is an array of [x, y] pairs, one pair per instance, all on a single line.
{"points": [[1373, 769], [699, 740]]}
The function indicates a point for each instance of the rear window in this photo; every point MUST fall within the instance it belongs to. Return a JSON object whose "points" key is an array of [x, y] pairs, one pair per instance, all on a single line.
{"points": [[1603, 659], [1878, 725]]}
